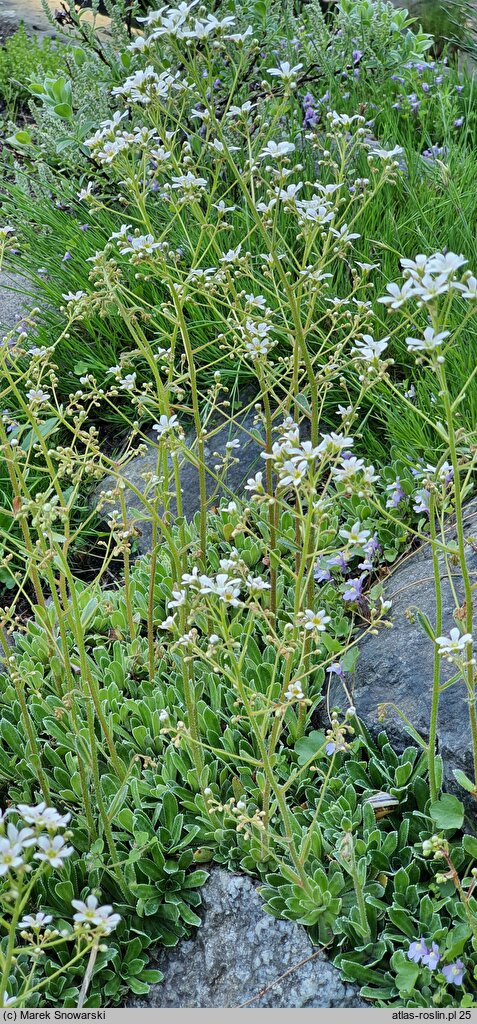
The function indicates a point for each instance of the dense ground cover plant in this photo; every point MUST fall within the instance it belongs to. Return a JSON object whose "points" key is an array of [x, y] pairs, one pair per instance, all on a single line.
{"points": [[183, 715]]}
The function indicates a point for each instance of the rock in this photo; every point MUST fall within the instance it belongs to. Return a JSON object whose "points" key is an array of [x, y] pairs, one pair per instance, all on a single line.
{"points": [[248, 460], [238, 952], [396, 666], [16, 300]]}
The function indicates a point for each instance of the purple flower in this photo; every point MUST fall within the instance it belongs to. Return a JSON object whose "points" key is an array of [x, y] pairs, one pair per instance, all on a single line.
{"points": [[357, 54], [84, 227], [355, 589], [454, 973], [459, 88], [431, 957], [421, 503], [66, 257], [396, 493], [337, 670], [417, 950], [458, 122]]}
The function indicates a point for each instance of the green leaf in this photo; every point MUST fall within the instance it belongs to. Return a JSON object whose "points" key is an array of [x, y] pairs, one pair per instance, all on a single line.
{"points": [[63, 110], [308, 746], [406, 976], [470, 846], [448, 812], [464, 781]]}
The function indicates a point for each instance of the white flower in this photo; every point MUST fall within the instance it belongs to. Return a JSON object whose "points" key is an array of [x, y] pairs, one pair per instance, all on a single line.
{"points": [[429, 342], [128, 382], [386, 154], [10, 856], [335, 443], [168, 623], [276, 150], [255, 584], [165, 425], [456, 643], [355, 535], [43, 816], [315, 621], [398, 294], [285, 71], [469, 289], [53, 850], [35, 921], [231, 255], [178, 598], [37, 396], [73, 296], [369, 349], [23, 837], [227, 589], [445, 264], [292, 473], [294, 691], [163, 715], [89, 913], [255, 484]]}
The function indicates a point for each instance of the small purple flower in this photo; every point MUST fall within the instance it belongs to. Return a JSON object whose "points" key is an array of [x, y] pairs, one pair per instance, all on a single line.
{"points": [[432, 957], [357, 54], [421, 503], [425, 87], [84, 227], [417, 950], [337, 670], [396, 493], [66, 257], [459, 88], [454, 973], [338, 561], [458, 122], [330, 748], [355, 589]]}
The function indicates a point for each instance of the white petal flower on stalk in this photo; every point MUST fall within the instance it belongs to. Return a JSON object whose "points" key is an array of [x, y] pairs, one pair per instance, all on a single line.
{"points": [[88, 912], [10, 856], [430, 341], [285, 71], [292, 473], [255, 484], [43, 817], [225, 587], [332, 443], [255, 584], [37, 396], [315, 621], [398, 295], [468, 290], [35, 921], [448, 263], [369, 349], [454, 644], [24, 837], [277, 150], [169, 623], [178, 598], [294, 691], [356, 535], [53, 850], [166, 425]]}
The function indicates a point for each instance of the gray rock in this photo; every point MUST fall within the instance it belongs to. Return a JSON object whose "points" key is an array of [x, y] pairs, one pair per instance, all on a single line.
{"points": [[396, 666], [247, 461], [238, 952], [16, 300]]}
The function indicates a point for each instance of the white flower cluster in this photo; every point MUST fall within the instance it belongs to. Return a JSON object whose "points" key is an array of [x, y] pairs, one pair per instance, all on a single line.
{"points": [[454, 645], [180, 23], [48, 848], [145, 86], [425, 279], [109, 141]]}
